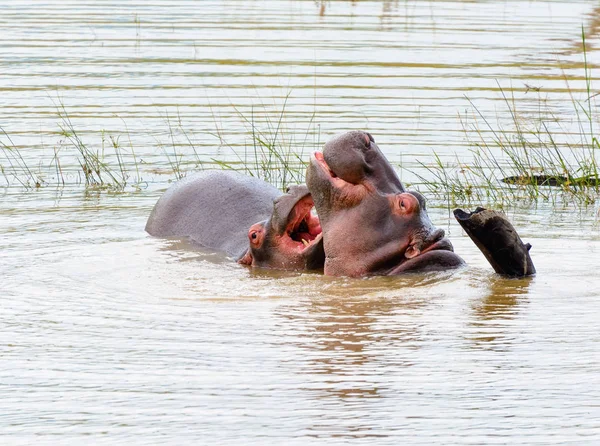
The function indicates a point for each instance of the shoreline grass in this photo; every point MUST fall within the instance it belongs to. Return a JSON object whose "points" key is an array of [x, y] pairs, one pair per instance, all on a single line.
{"points": [[526, 162]]}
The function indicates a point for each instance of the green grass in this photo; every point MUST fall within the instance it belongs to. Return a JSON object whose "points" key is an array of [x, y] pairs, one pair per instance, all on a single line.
{"points": [[107, 166], [15, 167], [536, 157], [270, 151]]}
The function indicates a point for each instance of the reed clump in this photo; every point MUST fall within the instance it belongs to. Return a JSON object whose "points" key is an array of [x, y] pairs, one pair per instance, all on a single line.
{"points": [[109, 166], [534, 157], [271, 151]]}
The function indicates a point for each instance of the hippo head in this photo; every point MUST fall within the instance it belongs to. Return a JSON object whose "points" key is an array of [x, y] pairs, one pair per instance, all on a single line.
{"points": [[371, 225], [291, 238]]}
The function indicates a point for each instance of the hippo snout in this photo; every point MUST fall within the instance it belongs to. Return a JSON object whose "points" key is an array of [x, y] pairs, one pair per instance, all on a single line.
{"points": [[436, 240]]}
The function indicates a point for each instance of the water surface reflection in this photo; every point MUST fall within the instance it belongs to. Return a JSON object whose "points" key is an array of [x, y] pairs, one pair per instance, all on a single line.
{"points": [[346, 329], [501, 303]]}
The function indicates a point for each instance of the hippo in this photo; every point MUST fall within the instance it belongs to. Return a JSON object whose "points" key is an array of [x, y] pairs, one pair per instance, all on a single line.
{"points": [[371, 225], [244, 217]]}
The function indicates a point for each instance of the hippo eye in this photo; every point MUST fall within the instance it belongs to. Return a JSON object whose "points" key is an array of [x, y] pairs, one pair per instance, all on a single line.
{"points": [[402, 204], [254, 235]]}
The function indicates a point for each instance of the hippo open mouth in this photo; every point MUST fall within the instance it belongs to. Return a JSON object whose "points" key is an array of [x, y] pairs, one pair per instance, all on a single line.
{"points": [[333, 178], [346, 189], [303, 228], [321, 160]]}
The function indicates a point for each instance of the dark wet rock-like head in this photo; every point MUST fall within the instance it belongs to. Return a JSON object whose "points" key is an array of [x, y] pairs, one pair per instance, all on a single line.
{"points": [[371, 224], [291, 239]]}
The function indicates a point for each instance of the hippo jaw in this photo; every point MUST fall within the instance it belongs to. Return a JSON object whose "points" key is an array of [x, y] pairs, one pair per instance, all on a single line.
{"points": [[356, 159], [291, 239]]}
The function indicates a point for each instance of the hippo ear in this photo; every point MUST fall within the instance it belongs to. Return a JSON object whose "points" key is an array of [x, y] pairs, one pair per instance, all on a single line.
{"points": [[246, 258]]}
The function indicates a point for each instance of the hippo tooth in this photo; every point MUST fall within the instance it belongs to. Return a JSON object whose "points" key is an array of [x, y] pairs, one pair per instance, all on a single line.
{"points": [[305, 242]]}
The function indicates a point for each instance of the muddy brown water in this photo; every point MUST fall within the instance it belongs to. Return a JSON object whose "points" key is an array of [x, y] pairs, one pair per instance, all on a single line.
{"points": [[111, 336]]}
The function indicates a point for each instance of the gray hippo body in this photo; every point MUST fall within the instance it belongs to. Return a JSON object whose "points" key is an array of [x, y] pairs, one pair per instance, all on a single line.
{"points": [[242, 216], [213, 209]]}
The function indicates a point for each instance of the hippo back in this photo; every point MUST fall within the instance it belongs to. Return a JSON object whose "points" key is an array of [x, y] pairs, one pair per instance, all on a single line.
{"points": [[214, 209]]}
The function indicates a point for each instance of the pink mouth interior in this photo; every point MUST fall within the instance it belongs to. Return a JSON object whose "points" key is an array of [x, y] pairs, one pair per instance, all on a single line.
{"points": [[321, 160], [303, 225]]}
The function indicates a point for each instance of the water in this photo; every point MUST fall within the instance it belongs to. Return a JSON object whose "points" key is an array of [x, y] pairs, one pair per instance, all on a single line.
{"points": [[112, 336]]}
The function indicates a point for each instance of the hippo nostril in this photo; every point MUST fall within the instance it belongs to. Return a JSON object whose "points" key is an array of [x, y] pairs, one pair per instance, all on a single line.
{"points": [[435, 236]]}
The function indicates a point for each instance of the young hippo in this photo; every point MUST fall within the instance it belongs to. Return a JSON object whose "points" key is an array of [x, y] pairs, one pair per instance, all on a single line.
{"points": [[245, 217], [371, 225]]}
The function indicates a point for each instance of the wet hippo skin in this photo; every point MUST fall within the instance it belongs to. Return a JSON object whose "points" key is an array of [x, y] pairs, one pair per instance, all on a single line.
{"points": [[243, 216], [371, 224]]}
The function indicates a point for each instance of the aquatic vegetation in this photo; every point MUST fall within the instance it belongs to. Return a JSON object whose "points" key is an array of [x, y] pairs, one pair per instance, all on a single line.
{"points": [[272, 153], [536, 157], [528, 157], [97, 171], [16, 167], [109, 166]]}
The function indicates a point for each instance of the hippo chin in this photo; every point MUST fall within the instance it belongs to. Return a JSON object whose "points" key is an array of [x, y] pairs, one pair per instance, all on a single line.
{"points": [[247, 218], [371, 225]]}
